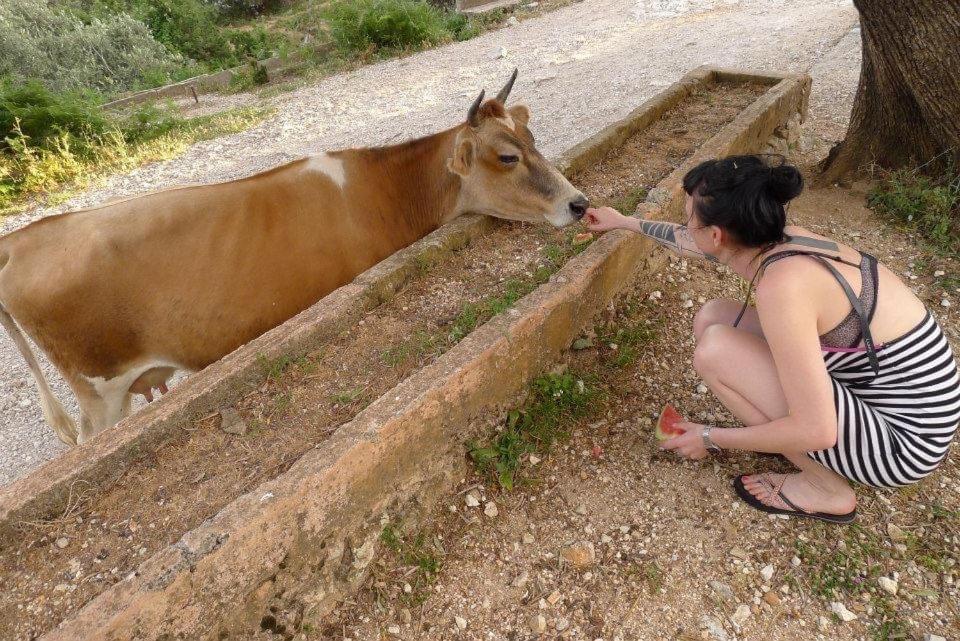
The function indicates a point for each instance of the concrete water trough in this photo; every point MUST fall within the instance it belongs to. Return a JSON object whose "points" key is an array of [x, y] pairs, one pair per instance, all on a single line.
{"points": [[300, 534]]}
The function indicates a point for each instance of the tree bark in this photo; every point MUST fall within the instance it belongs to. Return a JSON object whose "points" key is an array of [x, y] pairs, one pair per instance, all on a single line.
{"points": [[907, 106]]}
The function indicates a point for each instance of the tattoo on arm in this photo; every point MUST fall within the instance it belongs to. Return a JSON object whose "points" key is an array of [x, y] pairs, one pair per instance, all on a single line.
{"points": [[673, 236]]}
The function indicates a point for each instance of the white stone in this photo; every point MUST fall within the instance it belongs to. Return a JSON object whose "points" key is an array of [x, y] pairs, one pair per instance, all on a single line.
{"points": [[933, 637], [499, 52], [741, 615], [823, 623], [491, 509], [512, 21], [841, 611], [63, 542], [888, 585], [945, 303], [472, 501], [939, 273], [461, 622], [767, 572], [795, 561], [538, 624], [534, 459], [701, 389], [713, 627], [394, 630], [896, 533], [527, 538]]}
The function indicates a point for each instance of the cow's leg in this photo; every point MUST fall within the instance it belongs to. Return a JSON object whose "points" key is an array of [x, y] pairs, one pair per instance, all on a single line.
{"points": [[102, 404]]}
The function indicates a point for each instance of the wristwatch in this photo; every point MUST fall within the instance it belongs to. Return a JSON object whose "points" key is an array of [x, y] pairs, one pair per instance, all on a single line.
{"points": [[708, 443]]}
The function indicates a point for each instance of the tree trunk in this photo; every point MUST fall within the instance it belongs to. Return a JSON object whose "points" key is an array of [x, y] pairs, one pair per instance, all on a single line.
{"points": [[907, 107]]}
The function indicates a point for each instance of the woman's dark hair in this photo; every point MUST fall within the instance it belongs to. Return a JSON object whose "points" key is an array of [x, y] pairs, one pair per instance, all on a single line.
{"points": [[745, 195]]}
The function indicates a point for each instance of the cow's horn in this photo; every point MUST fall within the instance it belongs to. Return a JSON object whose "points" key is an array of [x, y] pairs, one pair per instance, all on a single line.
{"points": [[502, 96], [473, 114]]}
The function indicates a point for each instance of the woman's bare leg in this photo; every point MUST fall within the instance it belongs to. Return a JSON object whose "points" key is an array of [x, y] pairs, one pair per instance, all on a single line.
{"points": [[736, 364]]}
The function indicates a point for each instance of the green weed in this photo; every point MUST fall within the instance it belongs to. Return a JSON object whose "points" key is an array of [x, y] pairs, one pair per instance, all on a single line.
{"points": [[556, 399]]}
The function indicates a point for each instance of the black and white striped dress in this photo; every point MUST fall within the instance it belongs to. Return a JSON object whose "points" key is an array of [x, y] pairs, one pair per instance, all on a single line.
{"points": [[894, 428], [898, 404]]}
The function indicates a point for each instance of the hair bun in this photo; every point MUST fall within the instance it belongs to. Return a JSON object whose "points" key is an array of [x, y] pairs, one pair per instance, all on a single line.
{"points": [[785, 183]]}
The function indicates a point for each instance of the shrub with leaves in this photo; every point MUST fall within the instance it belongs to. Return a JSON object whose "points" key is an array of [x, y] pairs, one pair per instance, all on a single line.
{"points": [[930, 204], [43, 115], [369, 25], [110, 54]]}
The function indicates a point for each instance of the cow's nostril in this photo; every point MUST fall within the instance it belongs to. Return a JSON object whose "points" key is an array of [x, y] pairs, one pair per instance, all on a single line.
{"points": [[578, 207]]}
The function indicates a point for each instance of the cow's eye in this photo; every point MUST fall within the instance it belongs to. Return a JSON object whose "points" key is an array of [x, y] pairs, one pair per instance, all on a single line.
{"points": [[507, 159]]}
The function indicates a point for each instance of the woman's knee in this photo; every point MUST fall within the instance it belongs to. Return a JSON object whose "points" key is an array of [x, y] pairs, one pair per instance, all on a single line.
{"points": [[719, 311], [715, 349]]}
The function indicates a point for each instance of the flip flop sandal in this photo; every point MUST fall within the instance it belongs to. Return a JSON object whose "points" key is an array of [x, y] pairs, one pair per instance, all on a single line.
{"points": [[757, 504]]}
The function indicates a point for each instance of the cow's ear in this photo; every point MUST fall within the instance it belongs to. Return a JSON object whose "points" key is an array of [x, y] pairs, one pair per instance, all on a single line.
{"points": [[463, 156], [519, 114]]}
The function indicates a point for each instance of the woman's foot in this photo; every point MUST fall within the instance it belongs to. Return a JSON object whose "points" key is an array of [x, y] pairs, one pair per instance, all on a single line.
{"points": [[809, 493]]}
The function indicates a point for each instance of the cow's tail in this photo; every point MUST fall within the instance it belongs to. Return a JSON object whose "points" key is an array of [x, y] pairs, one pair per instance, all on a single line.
{"points": [[53, 410]]}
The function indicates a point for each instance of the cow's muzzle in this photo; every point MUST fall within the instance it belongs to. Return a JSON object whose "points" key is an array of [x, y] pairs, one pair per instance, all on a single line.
{"points": [[578, 206]]}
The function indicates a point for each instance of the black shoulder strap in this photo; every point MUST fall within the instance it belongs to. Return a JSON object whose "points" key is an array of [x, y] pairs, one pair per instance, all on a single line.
{"points": [[854, 300], [861, 314]]}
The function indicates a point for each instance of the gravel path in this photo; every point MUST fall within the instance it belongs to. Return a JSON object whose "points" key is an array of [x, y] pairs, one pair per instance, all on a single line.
{"points": [[580, 67]]}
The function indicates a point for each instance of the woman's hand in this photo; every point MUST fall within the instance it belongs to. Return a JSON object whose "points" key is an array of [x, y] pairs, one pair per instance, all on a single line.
{"points": [[689, 444], [604, 219]]}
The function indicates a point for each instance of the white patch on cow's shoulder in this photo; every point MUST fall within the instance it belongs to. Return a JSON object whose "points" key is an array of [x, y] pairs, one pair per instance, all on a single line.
{"points": [[330, 166]]}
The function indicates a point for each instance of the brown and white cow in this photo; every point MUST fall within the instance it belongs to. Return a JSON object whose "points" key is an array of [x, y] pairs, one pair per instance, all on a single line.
{"points": [[121, 296]]}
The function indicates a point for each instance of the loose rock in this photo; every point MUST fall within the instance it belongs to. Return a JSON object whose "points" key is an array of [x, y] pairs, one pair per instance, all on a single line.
{"points": [[231, 422], [888, 585], [579, 555], [538, 624], [723, 590], [491, 509], [841, 611], [714, 628], [896, 533], [767, 572], [741, 615]]}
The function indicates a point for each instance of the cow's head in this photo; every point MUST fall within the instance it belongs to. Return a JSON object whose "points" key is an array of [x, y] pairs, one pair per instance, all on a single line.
{"points": [[502, 173]]}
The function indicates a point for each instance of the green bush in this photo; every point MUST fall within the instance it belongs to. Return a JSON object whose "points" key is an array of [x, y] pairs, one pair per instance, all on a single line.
{"points": [[369, 25], [247, 7], [110, 54], [929, 204], [43, 116], [190, 28], [255, 44]]}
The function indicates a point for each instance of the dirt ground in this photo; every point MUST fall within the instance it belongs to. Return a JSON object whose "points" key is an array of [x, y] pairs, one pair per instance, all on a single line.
{"points": [[581, 67], [58, 566], [666, 550]]}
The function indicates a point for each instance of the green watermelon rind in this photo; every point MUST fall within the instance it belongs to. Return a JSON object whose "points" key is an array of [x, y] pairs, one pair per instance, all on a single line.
{"points": [[660, 432]]}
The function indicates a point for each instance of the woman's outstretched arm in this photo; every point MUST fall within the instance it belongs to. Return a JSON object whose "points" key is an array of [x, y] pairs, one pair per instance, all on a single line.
{"points": [[671, 235]]}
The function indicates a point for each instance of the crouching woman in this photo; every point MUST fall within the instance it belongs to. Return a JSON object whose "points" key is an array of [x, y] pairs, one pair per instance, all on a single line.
{"points": [[839, 367]]}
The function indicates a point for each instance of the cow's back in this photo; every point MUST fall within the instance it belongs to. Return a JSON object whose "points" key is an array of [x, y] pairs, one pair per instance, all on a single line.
{"points": [[184, 275]]}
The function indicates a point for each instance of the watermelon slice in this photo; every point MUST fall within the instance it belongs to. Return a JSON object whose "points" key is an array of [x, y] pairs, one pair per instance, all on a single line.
{"points": [[667, 424]]}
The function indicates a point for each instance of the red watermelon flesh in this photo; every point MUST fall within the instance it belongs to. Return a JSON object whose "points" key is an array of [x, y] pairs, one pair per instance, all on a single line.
{"points": [[667, 424]]}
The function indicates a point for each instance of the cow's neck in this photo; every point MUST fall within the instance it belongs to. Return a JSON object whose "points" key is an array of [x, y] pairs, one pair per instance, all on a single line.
{"points": [[423, 192]]}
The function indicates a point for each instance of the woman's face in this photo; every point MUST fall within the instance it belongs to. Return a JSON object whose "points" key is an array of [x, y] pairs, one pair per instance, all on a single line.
{"points": [[706, 237]]}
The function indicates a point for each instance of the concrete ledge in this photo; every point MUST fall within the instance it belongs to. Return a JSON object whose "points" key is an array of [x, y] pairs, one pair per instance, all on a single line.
{"points": [[485, 6], [202, 84], [46, 490], [301, 541]]}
